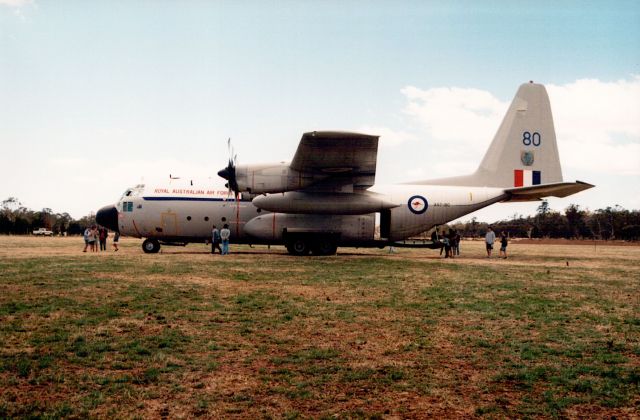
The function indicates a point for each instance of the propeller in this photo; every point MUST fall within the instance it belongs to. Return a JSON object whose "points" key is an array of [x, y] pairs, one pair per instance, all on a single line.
{"points": [[229, 173]]}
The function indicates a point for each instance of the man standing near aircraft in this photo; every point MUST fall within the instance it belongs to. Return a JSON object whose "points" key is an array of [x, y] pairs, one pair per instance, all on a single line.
{"points": [[87, 233], [225, 233], [215, 240], [489, 239]]}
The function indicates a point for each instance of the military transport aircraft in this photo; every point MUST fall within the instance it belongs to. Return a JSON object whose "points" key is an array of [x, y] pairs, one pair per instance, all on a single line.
{"points": [[326, 197]]}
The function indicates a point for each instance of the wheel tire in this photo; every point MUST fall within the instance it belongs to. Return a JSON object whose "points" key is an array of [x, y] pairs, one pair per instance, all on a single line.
{"points": [[151, 246], [298, 246], [325, 247]]}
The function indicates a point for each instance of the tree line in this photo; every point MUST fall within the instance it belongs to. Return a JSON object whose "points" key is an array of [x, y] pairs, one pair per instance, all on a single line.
{"points": [[574, 223], [610, 223], [16, 219]]}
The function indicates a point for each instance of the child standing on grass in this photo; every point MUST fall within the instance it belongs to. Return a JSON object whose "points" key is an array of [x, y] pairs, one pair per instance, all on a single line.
{"points": [[503, 244]]}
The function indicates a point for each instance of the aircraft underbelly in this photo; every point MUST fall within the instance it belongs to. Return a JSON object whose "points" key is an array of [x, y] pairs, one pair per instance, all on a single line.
{"points": [[272, 227]]}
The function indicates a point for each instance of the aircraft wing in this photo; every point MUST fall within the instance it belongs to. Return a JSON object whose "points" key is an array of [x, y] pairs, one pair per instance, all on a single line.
{"points": [[536, 192], [348, 158]]}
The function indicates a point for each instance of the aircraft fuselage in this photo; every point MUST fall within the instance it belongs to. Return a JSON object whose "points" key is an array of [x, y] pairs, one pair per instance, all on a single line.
{"points": [[182, 215]]}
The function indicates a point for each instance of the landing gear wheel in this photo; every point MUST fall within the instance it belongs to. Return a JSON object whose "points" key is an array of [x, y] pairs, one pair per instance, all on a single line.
{"points": [[151, 246], [298, 247], [325, 247]]}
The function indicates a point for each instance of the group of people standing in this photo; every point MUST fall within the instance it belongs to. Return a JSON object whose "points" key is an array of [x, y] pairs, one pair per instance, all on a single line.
{"points": [[220, 237], [97, 235], [450, 242], [489, 240]]}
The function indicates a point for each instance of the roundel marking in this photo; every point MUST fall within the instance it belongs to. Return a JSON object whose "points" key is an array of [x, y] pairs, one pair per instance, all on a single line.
{"points": [[417, 204]]}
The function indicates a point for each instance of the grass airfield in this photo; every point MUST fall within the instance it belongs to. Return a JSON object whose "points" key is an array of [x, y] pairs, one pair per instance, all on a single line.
{"points": [[554, 331]]}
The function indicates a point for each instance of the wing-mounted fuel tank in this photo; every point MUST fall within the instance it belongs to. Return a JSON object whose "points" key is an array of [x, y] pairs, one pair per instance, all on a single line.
{"points": [[323, 203], [269, 178]]}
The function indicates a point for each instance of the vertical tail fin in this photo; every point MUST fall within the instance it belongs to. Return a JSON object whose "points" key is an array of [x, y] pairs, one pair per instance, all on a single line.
{"points": [[524, 150]]}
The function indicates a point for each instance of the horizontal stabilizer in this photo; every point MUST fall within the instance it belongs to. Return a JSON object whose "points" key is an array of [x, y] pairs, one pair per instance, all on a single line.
{"points": [[537, 192]]}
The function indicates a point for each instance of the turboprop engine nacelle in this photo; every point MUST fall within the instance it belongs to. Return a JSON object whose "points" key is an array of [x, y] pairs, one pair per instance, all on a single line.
{"points": [[323, 203], [273, 178]]}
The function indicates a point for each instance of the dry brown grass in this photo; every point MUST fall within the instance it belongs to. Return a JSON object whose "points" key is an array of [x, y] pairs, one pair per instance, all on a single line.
{"points": [[363, 334]]}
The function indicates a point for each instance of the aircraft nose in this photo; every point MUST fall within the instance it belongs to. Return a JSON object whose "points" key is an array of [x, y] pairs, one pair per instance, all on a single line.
{"points": [[108, 217]]}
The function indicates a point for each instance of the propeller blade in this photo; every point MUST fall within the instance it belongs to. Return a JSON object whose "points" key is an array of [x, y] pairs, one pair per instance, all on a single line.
{"points": [[229, 173]]}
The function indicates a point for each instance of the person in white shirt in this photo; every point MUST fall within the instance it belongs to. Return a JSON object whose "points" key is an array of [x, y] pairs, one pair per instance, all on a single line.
{"points": [[87, 233], [225, 233], [489, 239]]}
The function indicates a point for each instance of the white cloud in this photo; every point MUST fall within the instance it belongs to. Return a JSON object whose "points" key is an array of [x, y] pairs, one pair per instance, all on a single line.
{"points": [[455, 114], [15, 3], [597, 124], [455, 125], [19, 7], [389, 138]]}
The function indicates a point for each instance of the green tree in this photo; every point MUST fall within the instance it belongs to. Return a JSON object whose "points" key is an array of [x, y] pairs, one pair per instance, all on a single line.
{"points": [[576, 221]]}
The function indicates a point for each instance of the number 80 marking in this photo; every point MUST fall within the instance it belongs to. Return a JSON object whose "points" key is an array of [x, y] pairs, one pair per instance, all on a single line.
{"points": [[529, 139]]}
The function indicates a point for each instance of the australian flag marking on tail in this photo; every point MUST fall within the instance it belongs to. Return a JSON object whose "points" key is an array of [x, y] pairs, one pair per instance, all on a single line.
{"points": [[526, 178]]}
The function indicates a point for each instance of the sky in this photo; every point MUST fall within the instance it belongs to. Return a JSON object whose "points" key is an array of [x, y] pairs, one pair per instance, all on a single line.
{"points": [[96, 97]]}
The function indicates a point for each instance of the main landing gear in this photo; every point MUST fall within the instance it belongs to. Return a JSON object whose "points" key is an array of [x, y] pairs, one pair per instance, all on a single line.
{"points": [[317, 244], [151, 246]]}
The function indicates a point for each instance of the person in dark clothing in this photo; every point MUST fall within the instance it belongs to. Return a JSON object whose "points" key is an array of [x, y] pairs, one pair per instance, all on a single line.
{"points": [[503, 244], [447, 245], [451, 238], [103, 234], [456, 243], [215, 240]]}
